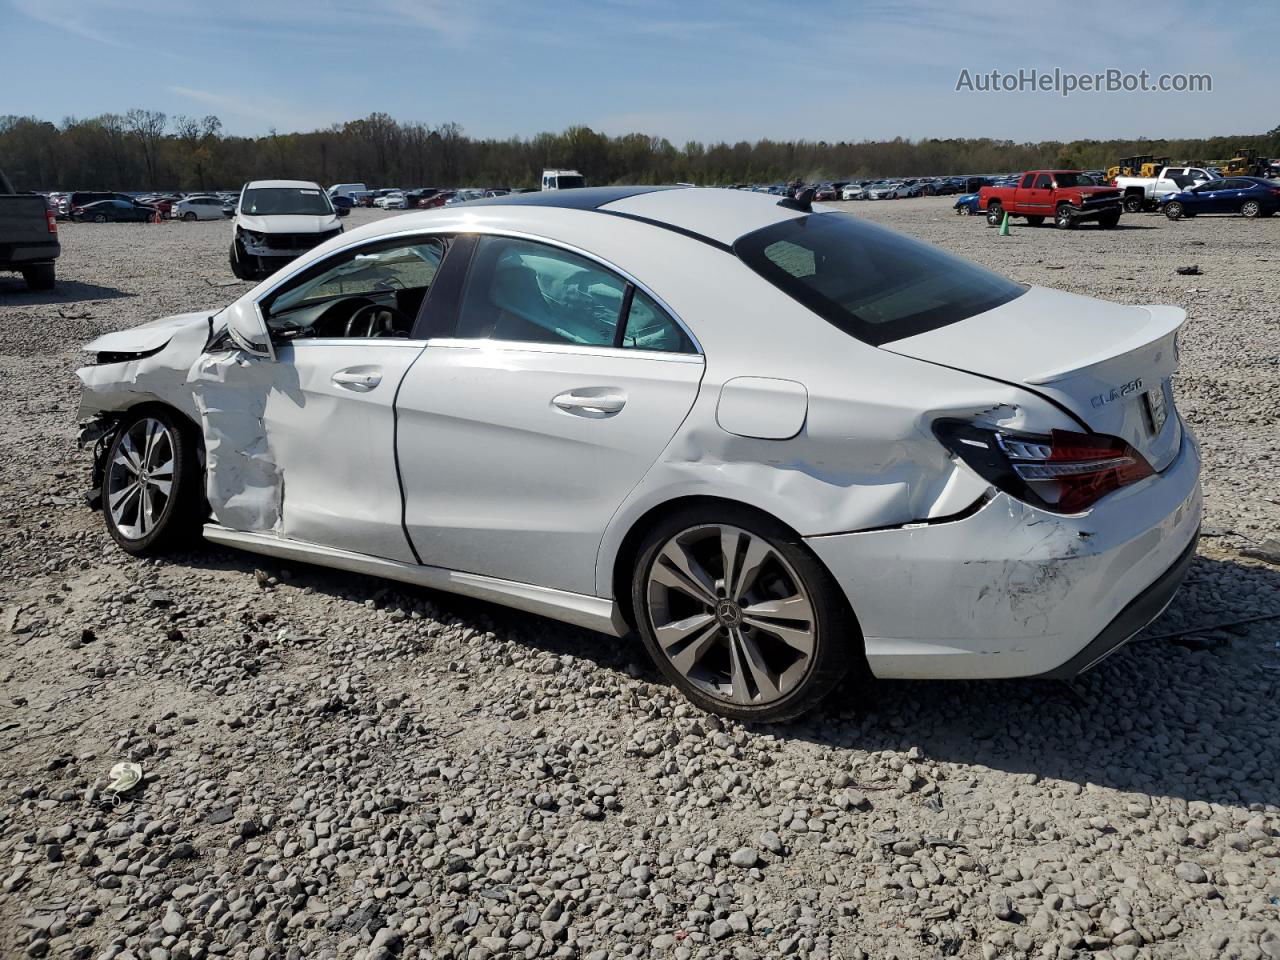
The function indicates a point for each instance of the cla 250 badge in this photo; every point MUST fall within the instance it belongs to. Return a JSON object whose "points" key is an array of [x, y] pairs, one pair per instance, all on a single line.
{"points": [[1115, 393]]}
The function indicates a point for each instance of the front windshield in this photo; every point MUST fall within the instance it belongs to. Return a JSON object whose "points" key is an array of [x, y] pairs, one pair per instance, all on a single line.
{"points": [[286, 202], [1074, 180]]}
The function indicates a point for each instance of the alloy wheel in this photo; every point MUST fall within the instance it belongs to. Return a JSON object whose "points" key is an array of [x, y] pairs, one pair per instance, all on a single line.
{"points": [[731, 615], [140, 478]]}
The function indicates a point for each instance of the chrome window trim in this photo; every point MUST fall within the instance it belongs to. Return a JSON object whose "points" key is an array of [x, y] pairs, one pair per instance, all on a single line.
{"points": [[582, 349]]}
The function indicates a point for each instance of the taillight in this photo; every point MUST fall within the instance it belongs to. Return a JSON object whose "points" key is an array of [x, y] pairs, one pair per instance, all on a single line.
{"points": [[52, 221], [1064, 471]]}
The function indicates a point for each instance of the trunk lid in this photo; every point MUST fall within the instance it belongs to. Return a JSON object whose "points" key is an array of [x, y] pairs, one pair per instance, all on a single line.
{"points": [[1107, 363]]}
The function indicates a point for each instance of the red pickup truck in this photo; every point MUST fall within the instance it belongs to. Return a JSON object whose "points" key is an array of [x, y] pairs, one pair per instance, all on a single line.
{"points": [[1068, 196]]}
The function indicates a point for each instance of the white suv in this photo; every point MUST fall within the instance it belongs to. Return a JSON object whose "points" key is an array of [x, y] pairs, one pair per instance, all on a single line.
{"points": [[276, 221]]}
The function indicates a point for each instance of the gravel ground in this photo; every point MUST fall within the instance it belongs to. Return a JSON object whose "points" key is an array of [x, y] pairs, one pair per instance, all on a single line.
{"points": [[341, 768]]}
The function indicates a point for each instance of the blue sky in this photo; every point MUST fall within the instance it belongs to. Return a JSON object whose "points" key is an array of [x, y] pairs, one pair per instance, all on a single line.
{"points": [[683, 69]]}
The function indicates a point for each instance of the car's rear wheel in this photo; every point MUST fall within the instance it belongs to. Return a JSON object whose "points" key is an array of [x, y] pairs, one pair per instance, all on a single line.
{"points": [[739, 615], [1133, 203], [995, 214], [1250, 209], [39, 276], [151, 483], [99, 218], [1173, 210]]}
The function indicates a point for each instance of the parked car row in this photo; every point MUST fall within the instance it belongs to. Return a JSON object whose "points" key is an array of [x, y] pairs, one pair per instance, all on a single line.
{"points": [[89, 205], [1072, 197]]}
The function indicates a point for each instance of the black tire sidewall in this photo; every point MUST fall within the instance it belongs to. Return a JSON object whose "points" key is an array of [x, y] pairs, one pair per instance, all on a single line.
{"points": [[42, 276], [1173, 211], [995, 213], [180, 518], [838, 641]]}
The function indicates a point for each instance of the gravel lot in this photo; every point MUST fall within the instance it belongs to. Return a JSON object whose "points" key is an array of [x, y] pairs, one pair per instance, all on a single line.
{"points": [[337, 767]]}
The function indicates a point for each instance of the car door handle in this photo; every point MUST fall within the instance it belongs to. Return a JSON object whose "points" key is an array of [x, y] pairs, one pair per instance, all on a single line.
{"points": [[357, 379], [590, 404]]}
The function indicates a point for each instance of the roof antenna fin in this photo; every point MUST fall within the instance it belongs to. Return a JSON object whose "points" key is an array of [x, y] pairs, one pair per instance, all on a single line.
{"points": [[803, 201]]}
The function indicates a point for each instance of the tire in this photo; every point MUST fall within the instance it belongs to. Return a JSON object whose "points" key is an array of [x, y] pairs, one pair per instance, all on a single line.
{"points": [[1063, 218], [1173, 210], [1250, 209], [726, 660], [40, 276], [995, 214], [1035, 221], [1133, 203], [963, 212], [1109, 221], [237, 258], [188, 216], [99, 218], [147, 519]]}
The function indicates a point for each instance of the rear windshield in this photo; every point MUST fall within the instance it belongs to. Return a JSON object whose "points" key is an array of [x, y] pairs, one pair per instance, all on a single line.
{"points": [[285, 201], [870, 282]]}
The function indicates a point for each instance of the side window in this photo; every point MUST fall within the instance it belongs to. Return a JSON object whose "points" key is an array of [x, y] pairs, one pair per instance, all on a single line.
{"points": [[1043, 181], [649, 328], [520, 290], [1027, 180], [372, 291]]}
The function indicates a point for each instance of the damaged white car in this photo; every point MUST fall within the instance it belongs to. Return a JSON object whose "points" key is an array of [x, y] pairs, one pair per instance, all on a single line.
{"points": [[778, 442], [276, 221]]}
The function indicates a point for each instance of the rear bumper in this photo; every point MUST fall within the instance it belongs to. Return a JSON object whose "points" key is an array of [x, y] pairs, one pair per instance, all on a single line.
{"points": [[1142, 610], [14, 256], [1013, 591]]}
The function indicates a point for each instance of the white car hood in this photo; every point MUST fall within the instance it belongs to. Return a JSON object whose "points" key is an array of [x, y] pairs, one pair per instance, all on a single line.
{"points": [[287, 224], [147, 337]]}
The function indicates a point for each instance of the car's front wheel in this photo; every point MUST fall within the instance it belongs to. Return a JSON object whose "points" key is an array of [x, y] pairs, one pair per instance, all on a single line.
{"points": [[739, 615], [151, 483], [1133, 203], [189, 216], [240, 269], [1173, 210]]}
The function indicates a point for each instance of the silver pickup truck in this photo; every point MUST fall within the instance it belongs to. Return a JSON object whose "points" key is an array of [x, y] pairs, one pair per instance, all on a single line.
{"points": [[28, 236]]}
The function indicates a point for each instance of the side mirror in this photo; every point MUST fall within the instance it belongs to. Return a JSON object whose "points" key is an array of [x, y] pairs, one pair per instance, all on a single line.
{"points": [[248, 329]]}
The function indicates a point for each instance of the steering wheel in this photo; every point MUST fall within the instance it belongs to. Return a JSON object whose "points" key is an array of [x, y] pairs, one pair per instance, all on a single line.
{"points": [[378, 320]]}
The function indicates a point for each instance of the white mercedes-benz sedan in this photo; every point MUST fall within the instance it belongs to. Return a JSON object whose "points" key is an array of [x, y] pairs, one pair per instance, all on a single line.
{"points": [[778, 442]]}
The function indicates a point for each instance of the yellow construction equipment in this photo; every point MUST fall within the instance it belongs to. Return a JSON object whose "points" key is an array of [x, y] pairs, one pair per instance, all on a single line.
{"points": [[1246, 163], [1143, 166]]}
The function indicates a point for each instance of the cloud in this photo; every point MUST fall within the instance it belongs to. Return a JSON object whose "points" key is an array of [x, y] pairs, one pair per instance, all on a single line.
{"points": [[276, 113], [67, 16]]}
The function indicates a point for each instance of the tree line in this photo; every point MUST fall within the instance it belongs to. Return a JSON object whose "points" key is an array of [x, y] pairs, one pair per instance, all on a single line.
{"points": [[148, 150]]}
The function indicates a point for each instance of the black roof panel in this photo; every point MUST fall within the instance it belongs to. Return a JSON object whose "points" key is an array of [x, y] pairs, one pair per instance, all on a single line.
{"points": [[582, 198]]}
